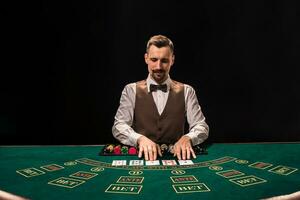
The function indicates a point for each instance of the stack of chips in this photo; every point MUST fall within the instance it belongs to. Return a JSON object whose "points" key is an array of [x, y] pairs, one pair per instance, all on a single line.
{"points": [[164, 149], [124, 150], [199, 150], [117, 150], [109, 148], [120, 149], [132, 151], [171, 149]]}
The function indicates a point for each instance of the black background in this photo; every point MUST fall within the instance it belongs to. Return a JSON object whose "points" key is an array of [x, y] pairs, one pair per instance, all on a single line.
{"points": [[66, 63]]}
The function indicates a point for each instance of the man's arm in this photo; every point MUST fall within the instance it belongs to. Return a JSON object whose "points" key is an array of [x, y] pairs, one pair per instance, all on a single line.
{"points": [[198, 129], [121, 128]]}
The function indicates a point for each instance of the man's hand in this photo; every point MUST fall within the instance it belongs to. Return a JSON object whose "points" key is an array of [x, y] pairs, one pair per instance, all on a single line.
{"points": [[183, 148], [149, 148]]}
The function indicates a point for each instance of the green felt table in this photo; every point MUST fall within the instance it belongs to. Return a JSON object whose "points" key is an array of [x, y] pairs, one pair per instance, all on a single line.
{"points": [[228, 171]]}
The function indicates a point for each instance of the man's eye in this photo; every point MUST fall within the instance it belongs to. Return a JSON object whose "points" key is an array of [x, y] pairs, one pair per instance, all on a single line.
{"points": [[153, 59], [165, 61]]}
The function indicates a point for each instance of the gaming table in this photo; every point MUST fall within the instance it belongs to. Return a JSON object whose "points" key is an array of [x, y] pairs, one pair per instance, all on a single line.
{"points": [[228, 171]]}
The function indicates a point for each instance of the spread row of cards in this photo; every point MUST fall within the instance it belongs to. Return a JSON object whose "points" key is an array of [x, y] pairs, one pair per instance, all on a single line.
{"points": [[151, 163]]}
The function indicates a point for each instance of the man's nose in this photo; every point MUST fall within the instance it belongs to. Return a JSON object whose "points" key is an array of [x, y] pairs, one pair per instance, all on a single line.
{"points": [[158, 65]]}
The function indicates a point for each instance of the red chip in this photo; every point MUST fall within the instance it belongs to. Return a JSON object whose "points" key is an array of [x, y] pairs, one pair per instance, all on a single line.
{"points": [[117, 150], [132, 151]]}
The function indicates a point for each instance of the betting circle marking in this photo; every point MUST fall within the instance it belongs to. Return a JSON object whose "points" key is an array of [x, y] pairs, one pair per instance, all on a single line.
{"points": [[215, 168], [178, 172], [97, 169], [70, 163], [241, 161], [135, 173]]}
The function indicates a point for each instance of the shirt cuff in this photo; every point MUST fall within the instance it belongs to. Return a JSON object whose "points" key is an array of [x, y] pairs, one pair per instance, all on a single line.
{"points": [[195, 138], [134, 137]]}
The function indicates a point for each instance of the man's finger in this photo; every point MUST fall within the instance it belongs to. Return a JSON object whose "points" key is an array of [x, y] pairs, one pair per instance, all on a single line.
{"points": [[183, 152], [178, 155], [188, 153], [150, 151], [193, 153], [146, 153], [140, 152], [178, 152], [154, 153], [159, 150]]}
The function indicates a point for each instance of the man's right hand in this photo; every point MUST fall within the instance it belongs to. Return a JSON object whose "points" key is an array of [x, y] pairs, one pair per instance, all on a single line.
{"points": [[148, 148]]}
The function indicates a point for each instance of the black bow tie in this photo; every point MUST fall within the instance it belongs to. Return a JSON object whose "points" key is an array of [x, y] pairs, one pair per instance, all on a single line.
{"points": [[163, 87]]}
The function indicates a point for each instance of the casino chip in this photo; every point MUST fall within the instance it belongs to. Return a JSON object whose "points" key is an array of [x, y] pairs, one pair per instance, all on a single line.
{"points": [[171, 149], [199, 150], [164, 149], [117, 150], [132, 151], [109, 148], [124, 150]]}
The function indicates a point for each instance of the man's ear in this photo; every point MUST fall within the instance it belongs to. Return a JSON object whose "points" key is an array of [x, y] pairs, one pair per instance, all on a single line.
{"points": [[173, 59], [146, 58]]}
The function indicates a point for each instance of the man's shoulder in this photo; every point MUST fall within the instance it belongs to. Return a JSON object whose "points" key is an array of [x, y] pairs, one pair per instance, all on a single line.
{"points": [[189, 87], [129, 85], [141, 82], [177, 86], [181, 85], [177, 83], [132, 86]]}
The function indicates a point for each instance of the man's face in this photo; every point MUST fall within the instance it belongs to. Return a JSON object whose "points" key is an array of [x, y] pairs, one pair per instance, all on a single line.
{"points": [[159, 61]]}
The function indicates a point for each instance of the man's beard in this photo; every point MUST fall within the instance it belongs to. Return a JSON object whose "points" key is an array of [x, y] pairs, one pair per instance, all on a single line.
{"points": [[159, 75]]}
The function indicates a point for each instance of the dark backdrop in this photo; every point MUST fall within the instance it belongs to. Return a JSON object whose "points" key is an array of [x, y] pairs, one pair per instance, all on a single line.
{"points": [[67, 63]]}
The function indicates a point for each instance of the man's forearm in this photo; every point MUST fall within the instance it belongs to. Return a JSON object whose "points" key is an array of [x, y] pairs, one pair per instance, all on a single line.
{"points": [[198, 134], [125, 134]]}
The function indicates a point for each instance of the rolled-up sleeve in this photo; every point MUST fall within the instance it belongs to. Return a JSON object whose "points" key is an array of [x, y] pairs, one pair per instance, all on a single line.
{"points": [[198, 128], [121, 128]]}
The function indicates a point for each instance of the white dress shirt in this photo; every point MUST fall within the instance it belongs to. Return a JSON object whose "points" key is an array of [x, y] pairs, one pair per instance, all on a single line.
{"points": [[122, 130]]}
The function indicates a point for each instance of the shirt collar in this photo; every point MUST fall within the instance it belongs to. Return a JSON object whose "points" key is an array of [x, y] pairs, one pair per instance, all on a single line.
{"points": [[149, 81]]}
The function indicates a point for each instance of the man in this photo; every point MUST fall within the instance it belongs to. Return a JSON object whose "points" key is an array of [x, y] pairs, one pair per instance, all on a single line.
{"points": [[153, 111]]}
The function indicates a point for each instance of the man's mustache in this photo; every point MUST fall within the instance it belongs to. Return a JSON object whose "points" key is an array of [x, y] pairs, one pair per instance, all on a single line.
{"points": [[158, 70]]}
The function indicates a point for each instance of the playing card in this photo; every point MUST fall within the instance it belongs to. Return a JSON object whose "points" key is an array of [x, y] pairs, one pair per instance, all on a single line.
{"points": [[169, 162], [185, 162], [118, 162], [136, 162], [151, 163]]}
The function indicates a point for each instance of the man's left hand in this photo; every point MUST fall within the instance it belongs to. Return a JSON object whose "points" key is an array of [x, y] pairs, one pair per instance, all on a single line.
{"points": [[183, 148]]}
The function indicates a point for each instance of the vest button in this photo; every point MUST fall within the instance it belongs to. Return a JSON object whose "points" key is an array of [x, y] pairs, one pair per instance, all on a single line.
{"points": [[159, 128]]}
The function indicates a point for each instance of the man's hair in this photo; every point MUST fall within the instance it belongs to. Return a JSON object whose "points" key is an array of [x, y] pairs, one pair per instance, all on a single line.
{"points": [[160, 41]]}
